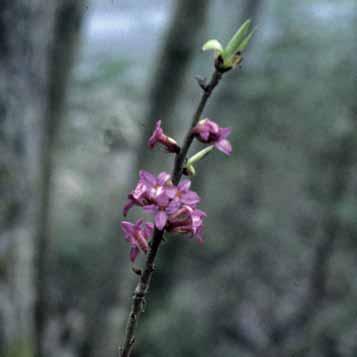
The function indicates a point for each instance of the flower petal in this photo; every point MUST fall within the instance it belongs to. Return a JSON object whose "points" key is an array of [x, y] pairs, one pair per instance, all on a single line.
{"points": [[147, 178], [204, 134], [127, 207], [184, 185], [134, 251], [173, 206], [190, 198], [128, 229], [224, 146], [162, 200], [156, 135], [163, 177], [141, 241], [152, 141], [137, 225], [138, 192], [148, 229], [171, 191], [160, 220], [150, 208], [224, 132], [212, 126], [199, 235]]}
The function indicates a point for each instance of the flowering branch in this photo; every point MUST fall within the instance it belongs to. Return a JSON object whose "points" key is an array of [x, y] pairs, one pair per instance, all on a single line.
{"points": [[207, 91], [172, 203]]}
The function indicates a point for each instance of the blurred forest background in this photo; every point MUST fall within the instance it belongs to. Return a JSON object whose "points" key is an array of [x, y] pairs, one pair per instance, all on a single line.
{"points": [[82, 84]]}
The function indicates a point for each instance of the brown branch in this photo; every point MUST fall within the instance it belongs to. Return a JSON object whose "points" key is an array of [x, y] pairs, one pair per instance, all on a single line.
{"points": [[145, 279]]}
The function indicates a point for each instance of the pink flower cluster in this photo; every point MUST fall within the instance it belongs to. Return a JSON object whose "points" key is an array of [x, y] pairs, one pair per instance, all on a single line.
{"points": [[174, 209]]}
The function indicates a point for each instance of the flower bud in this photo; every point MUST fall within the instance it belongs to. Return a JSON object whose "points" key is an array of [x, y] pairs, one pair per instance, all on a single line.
{"points": [[158, 136], [230, 56], [199, 155], [189, 170], [213, 45], [234, 43]]}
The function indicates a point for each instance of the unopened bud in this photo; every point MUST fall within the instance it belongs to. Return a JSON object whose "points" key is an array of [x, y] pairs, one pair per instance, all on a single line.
{"points": [[189, 170], [199, 155], [230, 56]]}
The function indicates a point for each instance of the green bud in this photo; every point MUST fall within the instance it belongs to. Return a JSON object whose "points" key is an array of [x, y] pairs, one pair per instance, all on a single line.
{"points": [[230, 56], [245, 42], [213, 45], [189, 170], [199, 155], [233, 45]]}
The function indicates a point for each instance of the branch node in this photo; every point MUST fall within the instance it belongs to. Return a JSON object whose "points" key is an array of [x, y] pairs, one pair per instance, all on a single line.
{"points": [[143, 305], [202, 82], [136, 270]]}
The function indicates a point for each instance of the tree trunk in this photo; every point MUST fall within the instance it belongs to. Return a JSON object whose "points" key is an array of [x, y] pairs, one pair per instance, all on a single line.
{"points": [[25, 37], [27, 84], [65, 35]]}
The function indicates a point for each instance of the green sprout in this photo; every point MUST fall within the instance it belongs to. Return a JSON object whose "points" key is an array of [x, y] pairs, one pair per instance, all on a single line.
{"points": [[230, 56]]}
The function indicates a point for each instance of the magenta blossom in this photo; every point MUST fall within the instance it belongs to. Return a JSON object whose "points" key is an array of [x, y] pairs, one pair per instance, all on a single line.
{"points": [[137, 235], [209, 132], [171, 200], [172, 206], [185, 195], [148, 189], [158, 136], [162, 209], [187, 220]]}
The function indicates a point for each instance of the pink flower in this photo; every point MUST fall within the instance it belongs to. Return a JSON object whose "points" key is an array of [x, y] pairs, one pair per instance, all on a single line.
{"points": [[162, 209], [185, 195], [137, 235], [170, 200], [148, 189], [158, 136], [209, 132], [187, 220]]}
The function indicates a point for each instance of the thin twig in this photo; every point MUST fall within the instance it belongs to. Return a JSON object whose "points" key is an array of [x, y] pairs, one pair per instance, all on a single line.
{"points": [[180, 158], [145, 278]]}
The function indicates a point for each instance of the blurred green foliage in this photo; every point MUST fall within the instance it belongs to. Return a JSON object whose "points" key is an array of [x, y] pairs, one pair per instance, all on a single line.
{"points": [[292, 108]]}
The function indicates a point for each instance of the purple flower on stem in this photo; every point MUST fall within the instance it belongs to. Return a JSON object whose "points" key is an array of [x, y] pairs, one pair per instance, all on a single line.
{"points": [[167, 202], [187, 220], [155, 186], [185, 195], [136, 197], [158, 136], [137, 235], [209, 132], [170, 200], [162, 209], [148, 189]]}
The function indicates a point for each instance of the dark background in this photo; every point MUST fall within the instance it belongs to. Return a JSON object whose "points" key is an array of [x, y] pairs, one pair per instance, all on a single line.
{"points": [[82, 84]]}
